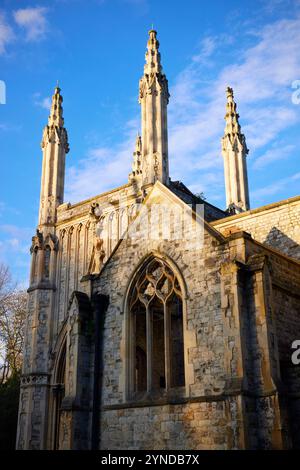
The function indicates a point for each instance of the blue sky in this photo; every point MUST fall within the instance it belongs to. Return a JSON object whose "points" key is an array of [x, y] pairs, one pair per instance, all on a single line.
{"points": [[96, 50]]}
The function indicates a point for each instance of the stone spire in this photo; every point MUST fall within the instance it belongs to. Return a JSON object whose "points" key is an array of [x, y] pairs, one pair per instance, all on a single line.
{"points": [[154, 98], [56, 111], [234, 151], [152, 55], [54, 146]]}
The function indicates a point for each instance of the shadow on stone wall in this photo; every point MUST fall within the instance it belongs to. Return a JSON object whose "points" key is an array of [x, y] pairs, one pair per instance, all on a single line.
{"points": [[278, 240]]}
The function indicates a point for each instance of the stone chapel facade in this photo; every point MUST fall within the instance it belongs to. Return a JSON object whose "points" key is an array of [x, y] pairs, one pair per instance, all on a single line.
{"points": [[160, 342]]}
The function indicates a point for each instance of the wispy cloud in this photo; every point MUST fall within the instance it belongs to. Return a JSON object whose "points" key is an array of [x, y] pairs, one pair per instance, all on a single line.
{"points": [[8, 127], [16, 237], [276, 186], [44, 103], [14, 248], [208, 47], [261, 75], [103, 168], [6, 33], [276, 152], [33, 21], [15, 231]]}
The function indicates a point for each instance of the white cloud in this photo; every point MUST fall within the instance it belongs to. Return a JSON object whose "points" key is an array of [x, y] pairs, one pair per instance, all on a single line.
{"points": [[44, 103], [14, 242], [93, 175], [102, 169], [276, 186], [276, 152], [15, 232], [34, 22], [14, 245], [208, 46], [6, 34], [261, 75], [265, 122]]}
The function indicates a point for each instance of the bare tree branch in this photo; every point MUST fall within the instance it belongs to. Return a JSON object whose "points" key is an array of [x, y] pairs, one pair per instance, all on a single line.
{"points": [[12, 319]]}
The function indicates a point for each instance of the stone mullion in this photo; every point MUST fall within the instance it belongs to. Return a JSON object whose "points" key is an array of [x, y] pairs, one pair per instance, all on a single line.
{"points": [[167, 339], [149, 330], [130, 353], [133, 354]]}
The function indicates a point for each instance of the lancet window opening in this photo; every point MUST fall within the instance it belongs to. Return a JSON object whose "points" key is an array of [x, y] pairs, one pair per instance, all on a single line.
{"points": [[156, 330]]}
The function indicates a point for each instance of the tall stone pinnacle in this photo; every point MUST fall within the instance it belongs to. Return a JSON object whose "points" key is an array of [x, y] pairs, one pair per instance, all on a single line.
{"points": [[234, 151], [154, 98], [54, 145]]}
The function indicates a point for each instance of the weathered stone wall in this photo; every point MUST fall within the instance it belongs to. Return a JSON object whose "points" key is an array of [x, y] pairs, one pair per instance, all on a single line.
{"points": [[196, 425], [276, 225], [286, 301], [272, 324], [230, 337], [77, 228], [203, 311], [35, 379], [182, 426]]}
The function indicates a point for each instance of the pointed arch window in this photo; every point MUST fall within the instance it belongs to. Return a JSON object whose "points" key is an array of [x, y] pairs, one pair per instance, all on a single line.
{"points": [[156, 356]]}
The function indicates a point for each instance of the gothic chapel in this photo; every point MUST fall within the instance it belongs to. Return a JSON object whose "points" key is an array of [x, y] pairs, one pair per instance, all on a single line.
{"points": [[135, 341]]}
